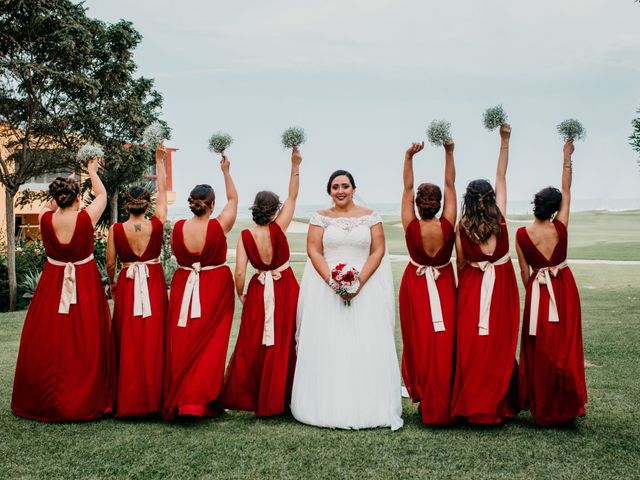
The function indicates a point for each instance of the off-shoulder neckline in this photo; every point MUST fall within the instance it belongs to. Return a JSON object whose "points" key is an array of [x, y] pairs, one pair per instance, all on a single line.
{"points": [[347, 218]]}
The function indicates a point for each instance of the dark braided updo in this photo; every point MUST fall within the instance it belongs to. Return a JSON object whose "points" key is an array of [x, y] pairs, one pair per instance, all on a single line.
{"points": [[138, 200], [264, 208], [64, 191], [480, 214], [546, 203], [201, 198], [428, 198]]}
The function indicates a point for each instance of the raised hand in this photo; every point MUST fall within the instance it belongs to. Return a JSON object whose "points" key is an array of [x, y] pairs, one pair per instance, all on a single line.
{"points": [[568, 148], [448, 145], [413, 149], [505, 131], [224, 163], [93, 165], [296, 157], [161, 151]]}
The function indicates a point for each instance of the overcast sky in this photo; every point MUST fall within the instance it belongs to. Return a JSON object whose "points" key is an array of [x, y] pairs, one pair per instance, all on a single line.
{"points": [[365, 77]]}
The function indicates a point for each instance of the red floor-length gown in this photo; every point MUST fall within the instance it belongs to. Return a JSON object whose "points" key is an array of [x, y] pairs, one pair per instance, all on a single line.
{"points": [[486, 371], [552, 379], [259, 378], [196, 353], [140, 341], [66, 363], [427, 355]]}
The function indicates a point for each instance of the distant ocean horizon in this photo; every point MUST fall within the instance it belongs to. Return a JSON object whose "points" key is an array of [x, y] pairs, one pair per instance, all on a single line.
{"points": [[515, 207]]}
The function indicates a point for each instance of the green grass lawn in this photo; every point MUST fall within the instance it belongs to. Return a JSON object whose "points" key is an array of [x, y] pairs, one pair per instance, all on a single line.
{"points": [[605, 444]]}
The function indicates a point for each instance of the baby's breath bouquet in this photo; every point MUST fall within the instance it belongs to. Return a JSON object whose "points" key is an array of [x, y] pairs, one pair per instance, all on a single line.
{"points": [[494, 117], [219, 142], [89, 150], [571, 130], [293, 137], [438, 132], [154, 134]]}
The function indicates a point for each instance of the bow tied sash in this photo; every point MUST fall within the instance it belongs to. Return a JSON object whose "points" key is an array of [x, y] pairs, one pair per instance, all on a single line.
{"points": [[266, 278], [431, 274], [486, 290], [192, 292], [543, 277], [139, 273], [68, 295]]}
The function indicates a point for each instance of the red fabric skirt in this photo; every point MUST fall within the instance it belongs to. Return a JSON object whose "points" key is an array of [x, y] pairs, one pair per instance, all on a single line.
{"points": [[552, 381], [486, 377], [66, 363], [427, 356], [259, 378], [140, 346], [196, 354]]}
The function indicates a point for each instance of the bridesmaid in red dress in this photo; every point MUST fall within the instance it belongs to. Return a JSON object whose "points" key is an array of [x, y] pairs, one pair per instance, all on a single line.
{"points": [[260, 375], [201, 305], [140, 299], [488, 312], [66, 363], [552, 379], [428, 291]]}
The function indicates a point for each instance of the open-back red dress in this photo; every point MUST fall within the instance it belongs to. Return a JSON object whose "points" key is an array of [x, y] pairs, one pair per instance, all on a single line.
{"points": [[427, 355], [66, 363], [197, 345], [140, 340], [552, 379], [486, 371], [259, 377]]}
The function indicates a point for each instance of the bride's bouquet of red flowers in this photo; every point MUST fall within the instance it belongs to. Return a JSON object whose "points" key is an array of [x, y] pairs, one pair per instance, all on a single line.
{"points": [[345, 280]]}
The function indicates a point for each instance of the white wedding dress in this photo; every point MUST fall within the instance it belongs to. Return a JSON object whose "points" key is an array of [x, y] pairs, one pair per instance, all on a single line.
{"points": [[347, 373]]}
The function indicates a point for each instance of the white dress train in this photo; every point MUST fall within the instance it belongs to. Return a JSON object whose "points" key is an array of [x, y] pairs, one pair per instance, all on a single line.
{"points": [[347, 373]]}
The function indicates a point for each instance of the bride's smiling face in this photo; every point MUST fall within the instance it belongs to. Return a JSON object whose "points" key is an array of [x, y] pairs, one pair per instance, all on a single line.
{"points": [[342, 191]]}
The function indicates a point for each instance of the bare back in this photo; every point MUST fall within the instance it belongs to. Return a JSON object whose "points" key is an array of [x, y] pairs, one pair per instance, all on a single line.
{"points": [[544, 237], [262, 237], [64, 224], [489, 246], [432, 236], [194, 232], [138, 232]]}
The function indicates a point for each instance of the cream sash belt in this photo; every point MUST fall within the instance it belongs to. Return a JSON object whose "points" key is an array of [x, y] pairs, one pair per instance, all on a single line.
{"points": [[192, 292], [486, 290], [431, 274], [543, 277], [139, 273], [266, 278], [68, 296]]}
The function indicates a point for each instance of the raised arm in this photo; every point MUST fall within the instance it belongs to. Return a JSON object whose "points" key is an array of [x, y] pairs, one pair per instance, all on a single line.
{"points": [[450, 208], [289, 206], [161, 182], [525, 271], [51, 205], [316, 253], [228, 215], [241, 269], [111, 262], [501, 173], [567, 173], [460, 259], [408, 210], [99, 203]]}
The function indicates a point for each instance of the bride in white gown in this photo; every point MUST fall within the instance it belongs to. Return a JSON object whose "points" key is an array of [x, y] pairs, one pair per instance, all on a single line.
{"points": [[347, 373]]}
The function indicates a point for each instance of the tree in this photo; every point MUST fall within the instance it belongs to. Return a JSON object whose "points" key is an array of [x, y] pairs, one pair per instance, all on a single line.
{"points": [[634, 138], [121, 109], [46, 51], [64, 79]]}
